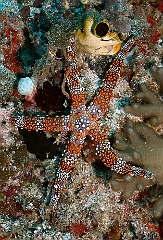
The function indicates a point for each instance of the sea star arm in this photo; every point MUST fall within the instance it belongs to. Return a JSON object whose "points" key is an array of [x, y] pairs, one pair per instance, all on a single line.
{"points": [[105, 92], [63, 173], [66, 166], [109, 157], [77, 96], [42, 123], [79, 127], [72, 79]]}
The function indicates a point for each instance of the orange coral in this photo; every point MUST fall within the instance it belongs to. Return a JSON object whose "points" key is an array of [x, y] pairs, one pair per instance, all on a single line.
{"points": [[78, 229]]}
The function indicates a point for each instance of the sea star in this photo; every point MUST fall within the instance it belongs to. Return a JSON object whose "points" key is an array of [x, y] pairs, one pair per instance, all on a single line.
{"points": [[83, 121]]}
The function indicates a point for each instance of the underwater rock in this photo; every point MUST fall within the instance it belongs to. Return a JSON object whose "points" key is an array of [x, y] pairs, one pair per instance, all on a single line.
{"points": [[6, 135], [12, 161]]}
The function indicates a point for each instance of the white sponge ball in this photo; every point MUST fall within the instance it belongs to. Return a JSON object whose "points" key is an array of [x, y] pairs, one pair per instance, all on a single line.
{"points": [[26, 86]]}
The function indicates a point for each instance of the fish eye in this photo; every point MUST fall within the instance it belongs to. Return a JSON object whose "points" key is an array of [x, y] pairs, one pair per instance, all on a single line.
{"points": [[102, 29]]}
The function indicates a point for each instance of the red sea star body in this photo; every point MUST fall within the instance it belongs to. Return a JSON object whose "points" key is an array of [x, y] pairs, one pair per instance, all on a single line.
{"points": [[84, 121]]}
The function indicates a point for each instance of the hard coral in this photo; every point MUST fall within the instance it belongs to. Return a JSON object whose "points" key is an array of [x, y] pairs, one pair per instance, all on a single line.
{"points": [[141, 143], [153, 109]]}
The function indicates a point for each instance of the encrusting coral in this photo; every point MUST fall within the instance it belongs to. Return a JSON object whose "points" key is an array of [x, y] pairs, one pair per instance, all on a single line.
{"points": [[141, 142]]}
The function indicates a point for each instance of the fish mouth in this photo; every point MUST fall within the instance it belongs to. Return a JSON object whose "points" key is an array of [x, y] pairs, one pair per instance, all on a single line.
{"points": [[110, 50]]}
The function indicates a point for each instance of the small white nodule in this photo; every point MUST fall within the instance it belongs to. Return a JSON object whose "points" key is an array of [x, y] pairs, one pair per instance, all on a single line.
{"points": [[26, 86]]}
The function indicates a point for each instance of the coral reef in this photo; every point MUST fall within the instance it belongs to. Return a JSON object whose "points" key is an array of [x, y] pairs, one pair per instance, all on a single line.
{"points": [[35, 39], [83, 121], [98, 216]]}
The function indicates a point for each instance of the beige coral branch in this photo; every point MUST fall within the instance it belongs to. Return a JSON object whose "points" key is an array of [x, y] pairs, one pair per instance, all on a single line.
{"points": [[152, 109], [143, 146], [158, 207], [157, 73]]}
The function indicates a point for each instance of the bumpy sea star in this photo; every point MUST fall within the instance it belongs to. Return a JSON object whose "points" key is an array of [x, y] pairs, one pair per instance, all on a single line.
{"points": [[83, 121]]}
